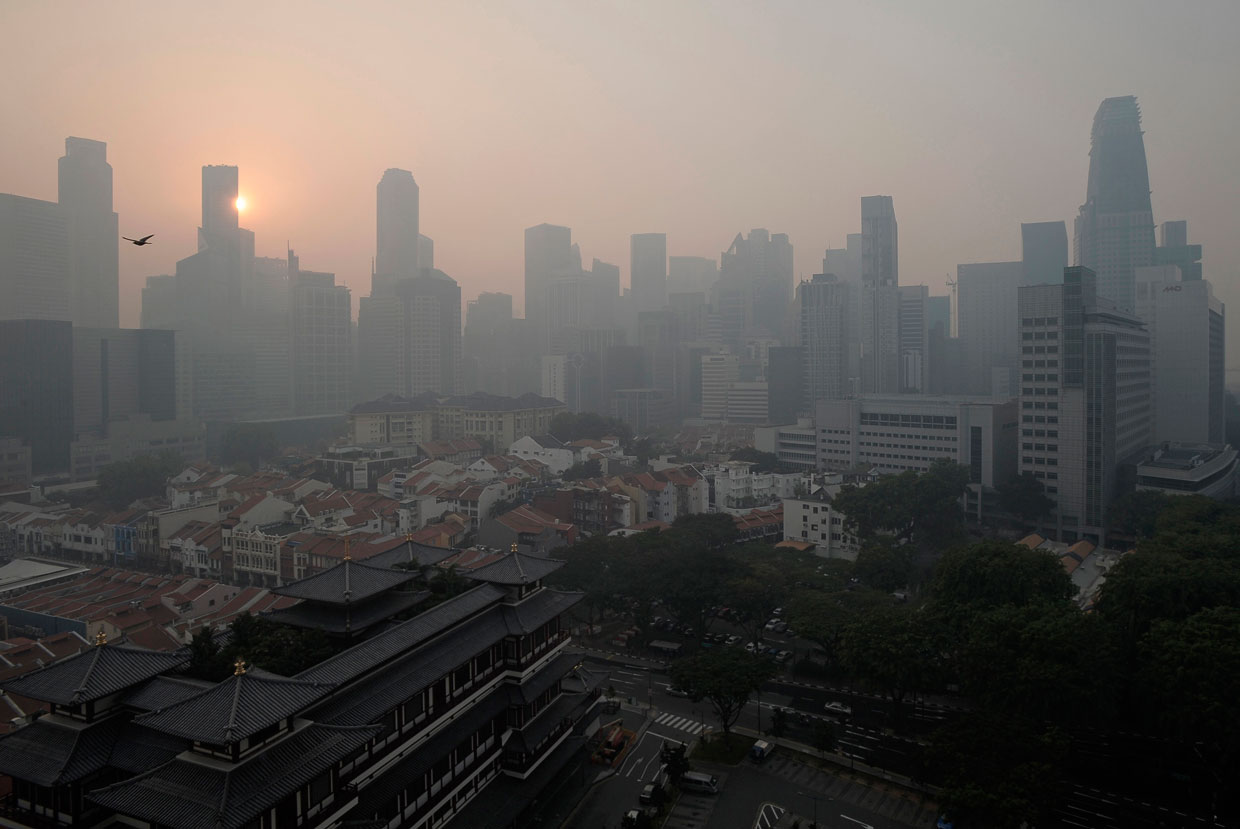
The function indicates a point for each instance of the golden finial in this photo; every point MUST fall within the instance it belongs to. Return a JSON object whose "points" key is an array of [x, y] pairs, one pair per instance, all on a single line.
{"points": [[514, 547], [101, 638], [409, 537], [347, 556], [239, 667]]}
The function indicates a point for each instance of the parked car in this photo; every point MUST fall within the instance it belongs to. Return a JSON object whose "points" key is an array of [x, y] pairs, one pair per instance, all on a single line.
{"points": [[783, 656], [779, 611], [780, 627], [840, 708], [771, 624], [651, 793], [733, 639], [673, 691], [751, 646], [720, 638]]}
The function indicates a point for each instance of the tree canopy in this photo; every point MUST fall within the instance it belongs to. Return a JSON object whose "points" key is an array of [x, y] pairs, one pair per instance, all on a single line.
{"points": [[725, 677], [124, 482], [567, 426], [918, 507]]}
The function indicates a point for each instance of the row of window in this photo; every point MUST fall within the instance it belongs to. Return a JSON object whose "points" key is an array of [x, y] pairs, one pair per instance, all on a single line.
{"points": [[1040, 321]]}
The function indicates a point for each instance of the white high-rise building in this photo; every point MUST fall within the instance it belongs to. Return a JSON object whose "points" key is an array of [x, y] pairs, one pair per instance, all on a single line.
{"points": [[1084, 397], [1186, 324], [719, 372]]}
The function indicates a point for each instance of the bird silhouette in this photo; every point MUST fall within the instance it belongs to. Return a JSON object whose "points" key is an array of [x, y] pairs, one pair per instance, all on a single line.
{"points": [[145, 240]]}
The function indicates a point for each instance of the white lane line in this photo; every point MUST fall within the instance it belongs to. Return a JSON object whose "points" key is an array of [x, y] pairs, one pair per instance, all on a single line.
{"points": [[858, 822]]}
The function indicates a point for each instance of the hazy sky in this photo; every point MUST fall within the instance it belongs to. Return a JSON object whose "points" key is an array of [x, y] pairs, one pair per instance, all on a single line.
{"points": [[695, 119]]}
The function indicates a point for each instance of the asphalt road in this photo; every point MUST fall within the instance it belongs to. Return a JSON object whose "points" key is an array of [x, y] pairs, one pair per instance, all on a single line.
{"points": [[1089, 804]]}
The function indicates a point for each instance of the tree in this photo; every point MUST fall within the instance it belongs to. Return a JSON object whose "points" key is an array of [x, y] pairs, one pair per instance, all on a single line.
{"points": [[249, 443], [1135, 515], [585, 469], [892, 650], [779, 724], [568, 427], [707, 529], [824, 738], [885, 564], [764, 461], [990, 574], [1025, 496], [123, 482], [914, 507], [998, 771], [822, 616], [726, 677], [674, 756]]}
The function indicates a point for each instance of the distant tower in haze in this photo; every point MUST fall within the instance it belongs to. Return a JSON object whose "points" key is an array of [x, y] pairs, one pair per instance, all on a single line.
{"points": [[85, 195], [397, 238], [1043, 252], [1115, 228], [548, 255], [648, 271], [880, 296], [219, 201]]}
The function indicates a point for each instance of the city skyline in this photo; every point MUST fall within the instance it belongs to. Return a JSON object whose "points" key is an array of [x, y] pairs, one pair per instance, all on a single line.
{"points": [[937, 133]]}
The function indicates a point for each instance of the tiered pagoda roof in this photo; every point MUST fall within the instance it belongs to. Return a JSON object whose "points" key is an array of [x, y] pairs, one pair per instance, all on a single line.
{"points": [[350, 597], [192, 792], [517, 569], [94, 673], [236, 708]]}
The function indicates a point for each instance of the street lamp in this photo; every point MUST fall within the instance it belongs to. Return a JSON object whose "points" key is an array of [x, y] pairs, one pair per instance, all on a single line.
{"points": [[814, 799]]}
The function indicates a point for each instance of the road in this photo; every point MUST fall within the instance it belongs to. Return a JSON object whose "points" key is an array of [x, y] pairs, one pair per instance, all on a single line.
{"points": [[864, 737]]}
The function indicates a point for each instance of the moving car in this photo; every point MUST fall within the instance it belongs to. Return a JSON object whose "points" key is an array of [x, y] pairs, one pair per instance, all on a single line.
{"points": [[841, 708]]}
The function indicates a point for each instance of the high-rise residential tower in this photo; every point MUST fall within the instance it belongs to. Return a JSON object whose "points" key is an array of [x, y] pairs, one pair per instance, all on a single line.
{"points": [[880, 296], [321, 341], [396, 231], [411, 343], [648, 271], [1115, 227], [35, 272], [755, 286], [85, 195]]}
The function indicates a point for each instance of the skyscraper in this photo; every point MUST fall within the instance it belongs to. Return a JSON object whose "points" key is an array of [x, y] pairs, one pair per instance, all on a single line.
{"points": [[1084, 397], [85, 195], [411, 343], [880, 296], [36, 375], [648, 271], [825, 328], [1174, 249], [1115, 227], [396, 231], [320, 333], [691, 274], [35, 273], [986, 294], [548, 254], [914, 338], [1043, 252], [755, 286]]}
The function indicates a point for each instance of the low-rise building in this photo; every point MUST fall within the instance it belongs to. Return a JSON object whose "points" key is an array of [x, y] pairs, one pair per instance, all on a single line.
{"points": [[1191, 469]]}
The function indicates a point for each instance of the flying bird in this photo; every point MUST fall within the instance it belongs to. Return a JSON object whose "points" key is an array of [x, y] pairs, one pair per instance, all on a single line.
{"points": [[145, 240]]}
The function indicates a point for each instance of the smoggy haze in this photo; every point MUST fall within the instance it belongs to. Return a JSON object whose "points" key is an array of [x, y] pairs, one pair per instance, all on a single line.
{"points": [[691, 119]]}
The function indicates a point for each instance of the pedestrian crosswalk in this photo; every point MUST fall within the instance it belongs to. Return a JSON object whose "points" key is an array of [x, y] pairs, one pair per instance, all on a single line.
{"points": [[680, 723]]}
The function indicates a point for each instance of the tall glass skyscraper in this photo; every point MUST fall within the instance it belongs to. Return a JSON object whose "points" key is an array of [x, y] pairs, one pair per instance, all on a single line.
{"points": [[1115, 228]]}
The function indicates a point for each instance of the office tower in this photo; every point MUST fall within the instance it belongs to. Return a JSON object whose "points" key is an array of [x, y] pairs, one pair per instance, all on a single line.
{"points": [[880, 297], [426, 252], [85, 195], [939, 314], [119, 373], [36, 376], [691, 274], [986, 297], [692, 315], [825, 329], [1174, 249], [321, 335], [785, 389], [263, 328], [35, 271], [1084, 397], [548, 254], [1115, 228], [396, 231], [500, 355], [755, 286], [1186, 325], [606, 280], [914, 338], [648, 271], [719, 372], [573, 303], [1043, 252], [411, 342]]}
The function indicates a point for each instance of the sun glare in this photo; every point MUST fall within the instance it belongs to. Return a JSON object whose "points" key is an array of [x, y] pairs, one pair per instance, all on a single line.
{"points": [[240, 204]]}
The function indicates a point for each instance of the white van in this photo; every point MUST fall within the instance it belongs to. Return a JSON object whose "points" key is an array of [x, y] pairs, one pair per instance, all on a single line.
{"points": [[696, 781]]}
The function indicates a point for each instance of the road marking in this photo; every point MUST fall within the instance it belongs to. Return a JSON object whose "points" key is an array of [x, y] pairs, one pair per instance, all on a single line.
{"points": [[858, 822], [768, 816], [679, 722]]}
